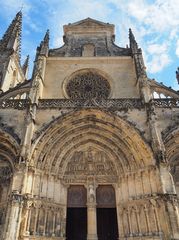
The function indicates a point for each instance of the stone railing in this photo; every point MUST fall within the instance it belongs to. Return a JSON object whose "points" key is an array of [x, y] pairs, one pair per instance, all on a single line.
{"points": [[110, 104], [96, 103], [166, 102], [14, 103]]}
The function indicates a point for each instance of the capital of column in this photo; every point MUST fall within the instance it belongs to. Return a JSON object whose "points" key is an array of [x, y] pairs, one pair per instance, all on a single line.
{"points": [[91, 205], [92, 237], [17, 198]]}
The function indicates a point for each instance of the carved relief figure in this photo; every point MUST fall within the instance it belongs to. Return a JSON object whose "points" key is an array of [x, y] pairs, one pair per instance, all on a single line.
{"points": [[90, 162]]}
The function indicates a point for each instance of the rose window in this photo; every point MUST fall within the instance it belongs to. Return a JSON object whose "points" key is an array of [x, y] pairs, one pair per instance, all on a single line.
{"points": [[87, 86]]}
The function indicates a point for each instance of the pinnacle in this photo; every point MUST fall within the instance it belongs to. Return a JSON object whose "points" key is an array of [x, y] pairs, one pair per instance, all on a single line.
{"points": [[13, 32], [47, 36], [131, 35], [132, 40]]}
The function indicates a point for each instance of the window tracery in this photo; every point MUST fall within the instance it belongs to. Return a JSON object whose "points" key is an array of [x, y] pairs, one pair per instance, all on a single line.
{"points": [[87, 86]]}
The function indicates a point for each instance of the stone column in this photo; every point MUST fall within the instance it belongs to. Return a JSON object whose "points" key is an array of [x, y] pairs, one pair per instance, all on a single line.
{"points": [[91, 213], [13, 223], [28, 223], [53, 226], [35, 221], [45, 222]]}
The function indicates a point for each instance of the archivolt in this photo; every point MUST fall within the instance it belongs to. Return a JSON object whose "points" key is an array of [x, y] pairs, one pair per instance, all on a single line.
{"points": [[171, 142], [75, 131], [9, 148]]}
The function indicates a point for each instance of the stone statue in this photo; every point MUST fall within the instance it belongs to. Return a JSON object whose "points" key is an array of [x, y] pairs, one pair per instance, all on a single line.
{"points": [[91, 194]]}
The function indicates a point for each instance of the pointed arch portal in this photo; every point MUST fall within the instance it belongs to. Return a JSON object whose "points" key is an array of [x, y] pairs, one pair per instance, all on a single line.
{"points": [[90, 151]]}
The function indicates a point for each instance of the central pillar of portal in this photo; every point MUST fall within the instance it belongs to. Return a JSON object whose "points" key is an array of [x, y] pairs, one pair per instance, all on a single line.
{"points": [[91, 213]]}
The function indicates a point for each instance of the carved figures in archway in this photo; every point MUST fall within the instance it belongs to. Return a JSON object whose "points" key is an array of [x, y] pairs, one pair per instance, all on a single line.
{"points": [[89, 162]]}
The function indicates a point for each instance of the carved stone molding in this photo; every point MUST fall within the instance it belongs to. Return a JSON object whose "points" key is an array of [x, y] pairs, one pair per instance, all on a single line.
{"points": [[16, 197], [116, 104]]}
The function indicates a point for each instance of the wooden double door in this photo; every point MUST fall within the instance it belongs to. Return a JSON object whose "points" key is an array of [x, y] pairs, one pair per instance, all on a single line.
{"points": [[76, 226]]}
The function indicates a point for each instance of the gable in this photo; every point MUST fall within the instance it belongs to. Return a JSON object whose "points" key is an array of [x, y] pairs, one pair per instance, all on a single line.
{"points": [[89, 24]]}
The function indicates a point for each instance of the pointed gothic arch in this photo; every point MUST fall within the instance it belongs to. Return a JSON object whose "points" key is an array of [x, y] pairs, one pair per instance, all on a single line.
{"points": [[9, 150], [171, 140], [91, 128]]}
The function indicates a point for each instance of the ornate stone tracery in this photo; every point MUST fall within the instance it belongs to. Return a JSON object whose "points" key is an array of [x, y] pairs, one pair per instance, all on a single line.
{"points": [[87, 86]]}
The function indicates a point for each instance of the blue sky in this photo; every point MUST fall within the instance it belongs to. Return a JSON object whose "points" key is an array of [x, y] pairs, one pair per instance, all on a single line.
{"points": [[155, 24]]}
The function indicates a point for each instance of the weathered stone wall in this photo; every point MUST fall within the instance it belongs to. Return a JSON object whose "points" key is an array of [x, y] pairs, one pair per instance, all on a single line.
{"points": [[119, 71]]}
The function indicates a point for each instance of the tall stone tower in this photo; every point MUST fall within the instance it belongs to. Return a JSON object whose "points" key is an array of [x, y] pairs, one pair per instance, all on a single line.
{"points": [[87, 151]]}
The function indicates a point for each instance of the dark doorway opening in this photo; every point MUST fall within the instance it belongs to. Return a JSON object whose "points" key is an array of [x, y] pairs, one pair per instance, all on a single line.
{"points": [[107, 227], [76, 225], [76, 228]]}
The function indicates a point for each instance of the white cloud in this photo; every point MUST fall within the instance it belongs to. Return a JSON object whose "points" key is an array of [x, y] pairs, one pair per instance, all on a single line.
{"points": [[175, 85], [159, 16], [147, 20], [158, 62], [77, 10], [10, 7], [157, 48]]}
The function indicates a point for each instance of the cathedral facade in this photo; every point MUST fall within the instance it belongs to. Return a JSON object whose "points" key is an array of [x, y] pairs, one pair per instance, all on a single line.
{"points": [[87, 151]]}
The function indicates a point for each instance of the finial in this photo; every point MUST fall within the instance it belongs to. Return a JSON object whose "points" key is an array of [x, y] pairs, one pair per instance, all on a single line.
{"points": [[177, 75], [22, 6]]}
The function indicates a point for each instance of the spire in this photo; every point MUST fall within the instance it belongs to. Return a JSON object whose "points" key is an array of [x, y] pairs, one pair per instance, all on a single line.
{"points": [[12, 36], [132, 41], [44, 45], [25, 66]]}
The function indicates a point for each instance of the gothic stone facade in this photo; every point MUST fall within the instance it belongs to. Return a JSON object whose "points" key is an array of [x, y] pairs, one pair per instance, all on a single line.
{"points": [[86, 150]]}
